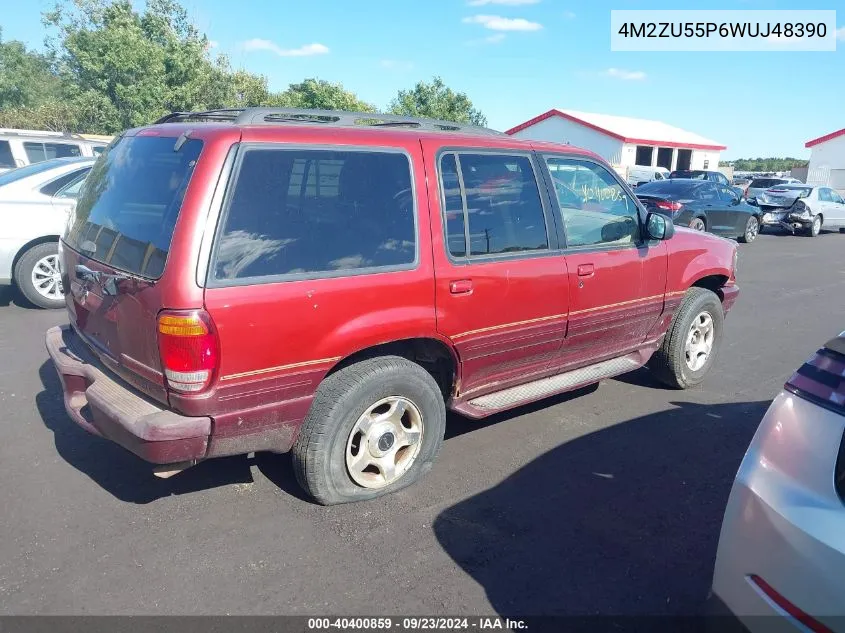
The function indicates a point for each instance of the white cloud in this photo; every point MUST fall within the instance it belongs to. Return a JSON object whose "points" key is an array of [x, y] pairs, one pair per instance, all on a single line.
{"points": [[508, 3], [498, 23], [257, 44], [569, 15], [213, 44], [395, 64], [626, 75], [840, 33]]}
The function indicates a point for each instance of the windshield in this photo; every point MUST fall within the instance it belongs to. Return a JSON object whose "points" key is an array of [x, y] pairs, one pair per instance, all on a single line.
{"points": [[30, 170], [686, 173], [130, 203], [802, 192], [669, 188], [765, 183]]}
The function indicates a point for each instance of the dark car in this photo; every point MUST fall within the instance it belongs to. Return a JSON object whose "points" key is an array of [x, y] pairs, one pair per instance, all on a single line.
{"points": [[701, 174], [331, 283], [704, 206]]}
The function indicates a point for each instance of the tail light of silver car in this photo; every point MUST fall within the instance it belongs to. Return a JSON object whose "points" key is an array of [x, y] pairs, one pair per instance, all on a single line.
{"points": [[188, 348], [821, 380]]}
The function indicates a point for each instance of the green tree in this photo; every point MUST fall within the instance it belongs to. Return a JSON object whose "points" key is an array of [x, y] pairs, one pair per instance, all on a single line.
{"points": [[437, 101], [319, 94], [25, 76]]}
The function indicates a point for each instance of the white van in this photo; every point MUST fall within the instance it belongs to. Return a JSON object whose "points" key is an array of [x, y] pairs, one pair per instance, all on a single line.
{"points": [[638, 175], [19, 148]]}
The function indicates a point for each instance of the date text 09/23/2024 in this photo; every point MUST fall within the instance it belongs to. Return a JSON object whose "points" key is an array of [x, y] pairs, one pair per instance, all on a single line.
{"points": [[416, 624]]}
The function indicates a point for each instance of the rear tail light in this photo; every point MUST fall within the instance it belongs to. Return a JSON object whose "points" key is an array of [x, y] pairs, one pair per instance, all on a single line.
{"points": [[670, 205], [187, 343]]}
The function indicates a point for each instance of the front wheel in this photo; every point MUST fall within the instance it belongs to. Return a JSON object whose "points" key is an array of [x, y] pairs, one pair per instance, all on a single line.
{"points": [[374, 427], [690, 346], [816, 227], [752, 230], [38, 277]]}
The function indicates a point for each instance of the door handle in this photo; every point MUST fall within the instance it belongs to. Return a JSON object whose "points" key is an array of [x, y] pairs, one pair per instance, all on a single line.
{"points": [[586, 270], [460, 287]]}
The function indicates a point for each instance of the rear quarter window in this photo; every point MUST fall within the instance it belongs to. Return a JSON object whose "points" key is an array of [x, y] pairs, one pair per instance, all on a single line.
{"points": [[301, 213], [7, 161]]}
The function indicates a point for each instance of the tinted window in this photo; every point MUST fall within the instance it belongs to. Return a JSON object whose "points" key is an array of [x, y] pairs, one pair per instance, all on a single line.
{"points": [[765, 183], [52, 187], [503, 208], [670, 188], [727, 195], [721, 178], [131, 201], [73, 189], [321, 211], [6, 158], [708, 192], [37, 152], [687, 173], [453, 205], [595, 208]]}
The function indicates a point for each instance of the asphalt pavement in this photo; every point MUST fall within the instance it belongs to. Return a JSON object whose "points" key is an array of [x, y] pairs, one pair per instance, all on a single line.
{"points": [[607, 501]]}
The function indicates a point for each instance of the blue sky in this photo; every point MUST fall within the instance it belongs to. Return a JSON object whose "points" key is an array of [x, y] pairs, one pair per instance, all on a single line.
{"points": [[518, 58]]}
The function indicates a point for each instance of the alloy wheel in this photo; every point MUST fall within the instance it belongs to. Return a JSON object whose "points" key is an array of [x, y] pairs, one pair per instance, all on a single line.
{"points": [[47, 278], [699, 344]]}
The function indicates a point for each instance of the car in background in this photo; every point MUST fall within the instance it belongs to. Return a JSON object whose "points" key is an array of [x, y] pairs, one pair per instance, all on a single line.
{"points": [[34, 205], [638, 175], [701, 174], [781, 550], [702, 205], [19, 148], [801, 208], [759, 185]]}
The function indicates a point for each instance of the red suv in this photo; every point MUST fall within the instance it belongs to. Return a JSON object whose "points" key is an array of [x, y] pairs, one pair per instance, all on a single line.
{"points": [[330, 283]]}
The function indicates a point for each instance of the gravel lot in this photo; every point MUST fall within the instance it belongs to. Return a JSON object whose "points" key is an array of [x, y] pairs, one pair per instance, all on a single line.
{"points": [[606, 501]]}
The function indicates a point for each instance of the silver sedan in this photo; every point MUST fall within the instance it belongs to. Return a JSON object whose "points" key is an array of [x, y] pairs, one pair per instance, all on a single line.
{"points": [[802, 208], [782, 547], [34, 203]]}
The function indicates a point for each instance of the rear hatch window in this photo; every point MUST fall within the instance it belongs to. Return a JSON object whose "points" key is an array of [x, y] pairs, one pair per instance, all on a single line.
{"points": [[130, 203], [765, 183]]}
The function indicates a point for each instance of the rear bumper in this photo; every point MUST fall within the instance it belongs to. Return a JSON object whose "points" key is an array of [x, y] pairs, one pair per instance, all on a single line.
{"points": [[105, 406]]}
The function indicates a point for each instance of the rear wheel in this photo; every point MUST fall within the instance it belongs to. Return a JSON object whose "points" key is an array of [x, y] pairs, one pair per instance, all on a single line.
{"points": [[816, 227], [375, 427], [690, 346], [698, 224], [752, 230], [38, 277]]}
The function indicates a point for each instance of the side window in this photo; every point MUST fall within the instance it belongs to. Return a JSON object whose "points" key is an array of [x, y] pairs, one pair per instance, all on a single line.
{"points": [[727, 195], [61, 150], [453, 206], [834, 195], [52, 187], [317, 212], [707, 193], [722, 179], [34, 152], [595, 208], [503, 212], [74, 187], [7, 161], [658, 176], [824, 195]]}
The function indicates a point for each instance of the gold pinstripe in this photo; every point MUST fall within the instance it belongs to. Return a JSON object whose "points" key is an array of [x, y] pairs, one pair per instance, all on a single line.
{"points": [[267, 370]]}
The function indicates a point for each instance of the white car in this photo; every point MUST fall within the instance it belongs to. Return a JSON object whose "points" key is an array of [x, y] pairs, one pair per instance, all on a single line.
{"points": [[802, 208], [780, 564], [19, 148], [34, 204], [759, 185]]}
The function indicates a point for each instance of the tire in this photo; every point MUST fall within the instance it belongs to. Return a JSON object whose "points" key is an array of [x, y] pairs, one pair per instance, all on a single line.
{"points": [[816, 227], [752, 230], [698, 224], [25, 274], [669, 363], [326, 437]]}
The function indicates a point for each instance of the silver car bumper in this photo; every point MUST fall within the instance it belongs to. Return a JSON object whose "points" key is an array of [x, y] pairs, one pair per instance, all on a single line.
{"points": [[784, 521]]}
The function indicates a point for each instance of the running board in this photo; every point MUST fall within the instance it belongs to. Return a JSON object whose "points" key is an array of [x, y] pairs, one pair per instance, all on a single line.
{"points": [[538, 389]]}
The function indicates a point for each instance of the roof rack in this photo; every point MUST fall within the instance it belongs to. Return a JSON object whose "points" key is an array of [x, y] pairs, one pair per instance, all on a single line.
{"points": [[295, 116], [42, 133]]}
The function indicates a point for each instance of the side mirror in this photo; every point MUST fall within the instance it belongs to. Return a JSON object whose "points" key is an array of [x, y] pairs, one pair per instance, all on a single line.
{"points": [[659, 227]]}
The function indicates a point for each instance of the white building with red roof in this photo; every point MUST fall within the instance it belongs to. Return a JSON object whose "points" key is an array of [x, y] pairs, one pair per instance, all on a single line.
{"points": [[827, 160], [623, 141]]}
